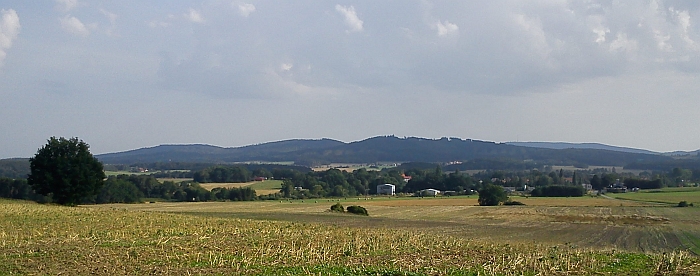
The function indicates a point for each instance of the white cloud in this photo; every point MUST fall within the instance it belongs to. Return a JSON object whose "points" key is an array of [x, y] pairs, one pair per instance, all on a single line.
{"points": [[194, 16], [351, 18], [66, 5], [446, 28], [73, 25], [684, 20], [111, 16], [246, 9], [622, 43], [112, 21], [9, 29], [286, 66]]}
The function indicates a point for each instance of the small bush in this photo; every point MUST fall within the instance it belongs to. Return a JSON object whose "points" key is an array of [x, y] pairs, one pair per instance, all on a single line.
{"points": [[683, 204], [337, 208], [358, 210], [510, 202]]}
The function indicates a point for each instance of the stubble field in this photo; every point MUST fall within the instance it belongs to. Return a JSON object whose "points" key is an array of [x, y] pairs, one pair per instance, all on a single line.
{"points": [[429, 236]]}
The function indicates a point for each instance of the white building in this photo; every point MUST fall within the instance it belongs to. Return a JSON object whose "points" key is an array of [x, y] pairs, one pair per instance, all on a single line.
{"points": [[430, 192], [386, 189]]}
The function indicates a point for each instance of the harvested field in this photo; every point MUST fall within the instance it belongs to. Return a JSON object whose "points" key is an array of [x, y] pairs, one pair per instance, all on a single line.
{"points": [[586, 222], [43, 239], [211, 186], [260, 187], [266, 191]]}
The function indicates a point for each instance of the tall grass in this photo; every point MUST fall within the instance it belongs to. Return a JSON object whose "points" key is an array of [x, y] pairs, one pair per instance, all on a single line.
{"points": [[42, 239]]}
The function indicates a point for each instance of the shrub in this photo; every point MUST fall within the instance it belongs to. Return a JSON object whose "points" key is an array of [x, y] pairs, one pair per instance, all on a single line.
{"points": [[683, 204], [511, 202], [492, 195], [358, 210], [337, 208]]}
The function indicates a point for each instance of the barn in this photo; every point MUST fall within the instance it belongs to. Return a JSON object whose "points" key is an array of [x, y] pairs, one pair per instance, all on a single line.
{"points": [[386, 189]]}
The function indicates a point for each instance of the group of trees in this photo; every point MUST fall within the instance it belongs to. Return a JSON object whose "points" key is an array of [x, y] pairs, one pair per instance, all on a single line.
{"points": [[223, 174], [559, 191]]}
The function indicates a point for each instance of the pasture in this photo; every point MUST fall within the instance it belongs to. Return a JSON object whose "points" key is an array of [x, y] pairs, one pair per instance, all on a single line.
{"points": [[210, 238]]}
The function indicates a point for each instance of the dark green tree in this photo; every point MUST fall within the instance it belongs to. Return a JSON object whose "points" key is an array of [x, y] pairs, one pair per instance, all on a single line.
{"points": [[66, 169], [597, 183], [492, 195]]}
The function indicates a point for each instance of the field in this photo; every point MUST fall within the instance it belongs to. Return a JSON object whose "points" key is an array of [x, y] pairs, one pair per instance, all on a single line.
{"points": [[261, 187], [587, 222], [402, 236], [667, 195], [350, 167]]}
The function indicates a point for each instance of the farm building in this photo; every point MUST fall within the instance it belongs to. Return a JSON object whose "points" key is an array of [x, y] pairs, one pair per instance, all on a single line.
{"points": [[386, 189], [430, 192]]}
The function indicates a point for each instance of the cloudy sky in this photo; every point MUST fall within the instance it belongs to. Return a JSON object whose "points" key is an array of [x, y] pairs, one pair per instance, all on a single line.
{"points": [[128, 74]]}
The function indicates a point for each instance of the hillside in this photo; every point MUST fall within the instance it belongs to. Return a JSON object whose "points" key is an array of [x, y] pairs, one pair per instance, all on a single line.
{"points": [[565, 145], [377, 149]]}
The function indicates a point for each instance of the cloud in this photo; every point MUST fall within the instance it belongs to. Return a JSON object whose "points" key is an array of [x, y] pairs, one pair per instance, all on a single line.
{"points": [[74, 26], [111, 16], [194, 16], [112, 21], [447, 28], [351, 18], [286, 66], [9, 30], [622, 43], [66, 5], [246, 9]]}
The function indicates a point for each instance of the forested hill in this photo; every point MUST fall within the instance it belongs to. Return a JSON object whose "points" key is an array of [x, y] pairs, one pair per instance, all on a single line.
{"points": [[376, 149], [273, 151], [564, 145]]}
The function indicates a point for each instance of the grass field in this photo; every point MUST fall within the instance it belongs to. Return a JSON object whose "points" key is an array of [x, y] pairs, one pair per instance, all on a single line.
{"points": [[666, 195], [109, 239]]}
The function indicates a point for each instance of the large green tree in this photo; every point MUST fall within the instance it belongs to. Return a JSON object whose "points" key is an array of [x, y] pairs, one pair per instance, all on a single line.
{"points": [[492, 195], [66, 169]]}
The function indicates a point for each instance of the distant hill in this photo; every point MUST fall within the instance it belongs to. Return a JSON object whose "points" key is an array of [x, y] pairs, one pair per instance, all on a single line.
{"points": [[198, 153], [378, 149], [564, 145], [14, 167]]}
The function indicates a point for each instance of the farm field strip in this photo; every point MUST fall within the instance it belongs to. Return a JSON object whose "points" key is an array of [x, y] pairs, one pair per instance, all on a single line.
{"points": [[255, 185]]}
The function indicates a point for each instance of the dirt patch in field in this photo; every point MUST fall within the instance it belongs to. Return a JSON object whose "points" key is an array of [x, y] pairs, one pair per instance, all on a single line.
{"points": [[266, 191]]}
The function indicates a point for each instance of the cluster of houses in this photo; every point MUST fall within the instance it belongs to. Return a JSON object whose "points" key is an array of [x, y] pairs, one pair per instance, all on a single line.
{"points": [[390, 189]]}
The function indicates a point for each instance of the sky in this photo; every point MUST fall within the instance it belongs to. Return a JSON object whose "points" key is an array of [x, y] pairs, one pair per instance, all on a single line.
{"points": [[127, 74]]}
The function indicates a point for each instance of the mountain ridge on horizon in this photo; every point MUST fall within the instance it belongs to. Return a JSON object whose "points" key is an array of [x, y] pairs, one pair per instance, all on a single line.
{"points": [[376, 149]]}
